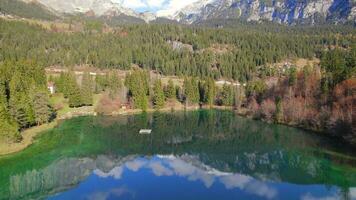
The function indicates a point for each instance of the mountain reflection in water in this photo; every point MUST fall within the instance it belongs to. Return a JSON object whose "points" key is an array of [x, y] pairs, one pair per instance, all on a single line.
{"points": [[193, 155]]}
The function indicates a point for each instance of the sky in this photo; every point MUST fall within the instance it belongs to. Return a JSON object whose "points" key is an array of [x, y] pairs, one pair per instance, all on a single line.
{"points": [[160, 7]]}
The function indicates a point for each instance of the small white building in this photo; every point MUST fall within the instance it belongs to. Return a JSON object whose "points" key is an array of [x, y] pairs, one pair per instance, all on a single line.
{"points": [[51, 87]]}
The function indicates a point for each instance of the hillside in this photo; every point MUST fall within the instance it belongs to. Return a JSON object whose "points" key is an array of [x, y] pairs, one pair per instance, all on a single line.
{"points": [[30, 10], [202, 12], [289, 12]]}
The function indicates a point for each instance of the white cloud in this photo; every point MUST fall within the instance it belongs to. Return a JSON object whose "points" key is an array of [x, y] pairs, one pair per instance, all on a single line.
{"points": [[169, 166], [159, 169], [173, 6], [155, 3], [135, 165], [116, 173], [161, 7], [134, 4], [115, 192]]}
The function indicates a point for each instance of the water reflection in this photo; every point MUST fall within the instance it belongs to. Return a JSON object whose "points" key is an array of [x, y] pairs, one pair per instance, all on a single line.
{"points": [[190, 155], [136, 177]]}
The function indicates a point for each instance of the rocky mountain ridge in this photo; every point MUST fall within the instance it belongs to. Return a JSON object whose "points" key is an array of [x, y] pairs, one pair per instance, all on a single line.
{"points": [[280, 11], [289, 12]]}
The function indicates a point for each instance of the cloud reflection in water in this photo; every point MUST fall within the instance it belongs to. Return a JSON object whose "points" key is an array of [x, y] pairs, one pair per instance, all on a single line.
{"points": [[193, 171]]}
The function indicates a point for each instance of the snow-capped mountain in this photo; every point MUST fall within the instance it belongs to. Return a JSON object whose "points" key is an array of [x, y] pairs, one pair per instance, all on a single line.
{"points": [[93, 7], [281, 11]]}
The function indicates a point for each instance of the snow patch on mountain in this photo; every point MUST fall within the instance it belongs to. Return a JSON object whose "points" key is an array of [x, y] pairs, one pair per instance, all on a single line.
{"points": [[98, 7]]}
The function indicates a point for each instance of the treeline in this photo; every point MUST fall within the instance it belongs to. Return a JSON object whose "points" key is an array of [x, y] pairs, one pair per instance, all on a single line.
{"points": [[24, 99], [322, 100], [229, 53], [140, 91], [77, 95]]}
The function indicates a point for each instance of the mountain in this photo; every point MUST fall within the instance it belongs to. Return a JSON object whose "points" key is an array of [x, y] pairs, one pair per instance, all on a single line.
{"points": [[280, 11], [97, 8], [26, 9], [289, 12]]}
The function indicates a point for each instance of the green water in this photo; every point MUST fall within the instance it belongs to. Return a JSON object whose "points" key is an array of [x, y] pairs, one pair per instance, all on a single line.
{"points": [[63, 163]]}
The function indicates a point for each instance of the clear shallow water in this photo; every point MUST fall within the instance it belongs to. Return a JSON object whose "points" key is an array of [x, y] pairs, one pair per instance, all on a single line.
{"points": [[193, 155]]}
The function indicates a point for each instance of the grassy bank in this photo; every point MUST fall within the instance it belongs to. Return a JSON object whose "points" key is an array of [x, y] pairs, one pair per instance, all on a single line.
{"points": [[65, 112], [28, 137]]}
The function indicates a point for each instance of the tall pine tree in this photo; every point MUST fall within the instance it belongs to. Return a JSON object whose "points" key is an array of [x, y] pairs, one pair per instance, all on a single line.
{"points": [[87, 90], [41, 107], [210, 91], [74, 96], [137, 83], [8, 127], [170, 91], [227, 95], [158, 95]]}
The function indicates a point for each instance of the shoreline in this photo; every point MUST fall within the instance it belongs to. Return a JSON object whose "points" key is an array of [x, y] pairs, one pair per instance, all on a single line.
{"points": [[29, 135]]}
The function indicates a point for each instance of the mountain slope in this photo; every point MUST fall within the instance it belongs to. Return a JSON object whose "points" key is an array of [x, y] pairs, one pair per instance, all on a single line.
{"points": [[26, 9], [98, 8], [280, 11], [289, 12]]}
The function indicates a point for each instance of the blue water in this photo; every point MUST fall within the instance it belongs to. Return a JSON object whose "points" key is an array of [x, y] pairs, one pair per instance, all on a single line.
{"points": [[175, 178], [202, 155]]}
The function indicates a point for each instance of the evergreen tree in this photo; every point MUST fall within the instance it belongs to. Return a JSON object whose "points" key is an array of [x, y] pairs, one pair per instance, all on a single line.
{"points": [[210, 91], [191, 91], [227, 95], [170, 91], [87, 90], [114, 84], [41, 108], [292, 76], [62, 84], [20, 107], [158, 95], [74, 96], [8, 128], [137, 83]]}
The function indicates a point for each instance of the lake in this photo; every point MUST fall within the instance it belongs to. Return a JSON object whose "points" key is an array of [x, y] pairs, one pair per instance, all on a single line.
{"points": [[189, 155]]}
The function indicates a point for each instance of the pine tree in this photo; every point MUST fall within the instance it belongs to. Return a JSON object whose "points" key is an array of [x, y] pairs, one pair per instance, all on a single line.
{"points": [[41, 108], [158, 96], [87, 90], [4, 115], [137, 83], [170, 91], [227, 96], [209, 91], [62, 84], [292, 76], [196, 94], [74, 96], [191, 91], [114, 84], [19, 104], [8, 128]]}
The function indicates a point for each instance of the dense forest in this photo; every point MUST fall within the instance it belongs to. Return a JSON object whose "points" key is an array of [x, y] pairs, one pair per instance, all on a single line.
{"points": [[315, 97], [233, 54]]}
